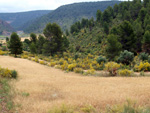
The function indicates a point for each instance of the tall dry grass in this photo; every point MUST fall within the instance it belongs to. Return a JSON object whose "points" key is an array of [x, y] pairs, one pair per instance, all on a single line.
{"points": [[39, 87]]}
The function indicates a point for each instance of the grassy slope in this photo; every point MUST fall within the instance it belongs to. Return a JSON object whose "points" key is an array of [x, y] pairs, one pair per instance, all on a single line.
{"points": [[40, 87], [6, 104]]}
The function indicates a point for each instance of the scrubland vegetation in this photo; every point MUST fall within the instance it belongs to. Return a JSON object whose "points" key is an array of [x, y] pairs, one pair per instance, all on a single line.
{"points": [[115, 44]]}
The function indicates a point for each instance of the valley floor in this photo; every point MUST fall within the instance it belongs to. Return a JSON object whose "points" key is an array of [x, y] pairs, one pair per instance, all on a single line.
{"points": [[39, 87]]}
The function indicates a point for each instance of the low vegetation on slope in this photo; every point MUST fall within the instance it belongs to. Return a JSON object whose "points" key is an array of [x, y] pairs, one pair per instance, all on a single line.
{"points": [[19, 20], [5, 28]]}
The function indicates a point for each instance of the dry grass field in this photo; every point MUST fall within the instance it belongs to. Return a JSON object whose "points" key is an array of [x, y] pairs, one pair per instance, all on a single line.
{"points": [[38, 87]]}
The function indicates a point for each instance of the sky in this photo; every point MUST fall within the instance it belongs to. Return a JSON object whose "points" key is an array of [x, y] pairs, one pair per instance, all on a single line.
{"points": [[28, 5]]}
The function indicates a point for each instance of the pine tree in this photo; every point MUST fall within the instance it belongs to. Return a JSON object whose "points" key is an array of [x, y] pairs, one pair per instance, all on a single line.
{"points": [[113, 46], [15, 44]]}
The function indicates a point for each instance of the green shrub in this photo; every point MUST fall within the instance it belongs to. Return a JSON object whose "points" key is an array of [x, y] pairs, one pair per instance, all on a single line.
{"points": [[143, 56], [149, 58], [129, 107], [6, 73], [101, 59], [14, 74], [126, 57]]}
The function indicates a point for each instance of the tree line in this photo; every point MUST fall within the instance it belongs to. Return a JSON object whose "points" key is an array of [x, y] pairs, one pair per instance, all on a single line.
{"points": [[52, 41]]}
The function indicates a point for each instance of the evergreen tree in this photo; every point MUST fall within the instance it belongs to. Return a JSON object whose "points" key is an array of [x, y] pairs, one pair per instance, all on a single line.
{"points": [[33, 48], [142, 14], [127, 36], [33, 38], [40, 43], [98, 16], [145, 2], [67, 32], [54, 38], [139, 34], [15, 44], [146, 42], [106, 28], [106, 17], [113, 46], [7, 39]]}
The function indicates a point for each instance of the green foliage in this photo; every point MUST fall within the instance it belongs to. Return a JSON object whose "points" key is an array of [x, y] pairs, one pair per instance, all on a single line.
{"points": [[106, 17], [106, 28], [14, 74], [143, 56], [127, 36], [126, 57], [21, 20], [146, 42], [113, 47], [6, 73], [54, 39], [33, 38], [69, 14], [6, 103], [5, 27], [98, 16], [112, 68], [40, 42], [33, 48], [101, 59], [128, 107], [7, 39], [15, 44]]}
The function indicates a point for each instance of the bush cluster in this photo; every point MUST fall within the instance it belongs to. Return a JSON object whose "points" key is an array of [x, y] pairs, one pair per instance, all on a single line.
{"points": [[4, 72]]}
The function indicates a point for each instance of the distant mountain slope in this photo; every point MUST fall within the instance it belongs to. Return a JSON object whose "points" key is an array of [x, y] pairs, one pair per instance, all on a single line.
{"points": [[68, 14], [17, 20], [5, 28]]}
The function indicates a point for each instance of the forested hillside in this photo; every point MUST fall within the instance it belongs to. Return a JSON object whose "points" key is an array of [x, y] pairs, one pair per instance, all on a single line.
{"points": [[5, 28], [124, 27], [18, 20], [68, 14]]}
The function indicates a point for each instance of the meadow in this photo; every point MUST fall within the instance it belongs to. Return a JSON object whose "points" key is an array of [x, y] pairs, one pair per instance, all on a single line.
{"points": [[40, 88]]}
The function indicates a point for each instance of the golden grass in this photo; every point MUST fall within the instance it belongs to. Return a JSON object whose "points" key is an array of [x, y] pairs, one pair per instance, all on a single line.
{"points": [[48, 87]]}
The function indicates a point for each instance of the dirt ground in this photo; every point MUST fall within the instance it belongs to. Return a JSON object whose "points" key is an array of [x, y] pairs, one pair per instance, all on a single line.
{"points": [[39, 87]]}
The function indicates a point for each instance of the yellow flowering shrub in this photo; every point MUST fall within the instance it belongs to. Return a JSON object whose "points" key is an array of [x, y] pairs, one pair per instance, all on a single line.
{"points": [[125, 72], [33, 59], [90, 56], [58, 66], [4, 72], [3, 52], [112, 68], [78, 70], [24, 56], [36, 59], [70, 60], [52, 64], [90, 72], [42, 62], [61, 61], [64, 66], [143, 66], [71, 67]]}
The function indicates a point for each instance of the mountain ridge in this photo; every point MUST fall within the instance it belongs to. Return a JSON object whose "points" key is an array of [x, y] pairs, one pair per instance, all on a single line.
{"points": [[68, 14]]}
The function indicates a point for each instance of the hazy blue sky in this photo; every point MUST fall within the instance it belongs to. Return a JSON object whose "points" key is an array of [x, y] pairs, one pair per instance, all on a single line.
{"points": [[27, 5]]}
